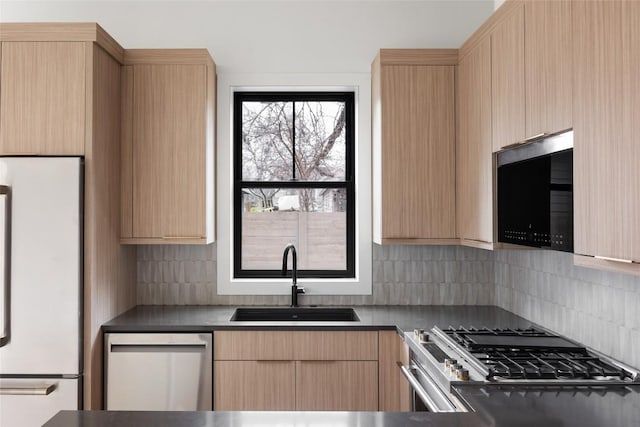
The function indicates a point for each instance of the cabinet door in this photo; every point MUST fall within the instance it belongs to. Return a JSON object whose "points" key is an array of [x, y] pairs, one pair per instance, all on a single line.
{"points": [[394, 392], [43, 98], [337, 386], [548, 58], [475, 160], [418, 152], [507, 77], [169, 161], [607, 152], [254, 386]]}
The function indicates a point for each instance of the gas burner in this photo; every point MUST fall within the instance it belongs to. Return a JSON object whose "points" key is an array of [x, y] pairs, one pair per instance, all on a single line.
{"points": [[530, 354]]}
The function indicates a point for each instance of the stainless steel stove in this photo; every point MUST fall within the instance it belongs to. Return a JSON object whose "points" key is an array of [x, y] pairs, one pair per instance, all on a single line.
{"points": [[442, 358]]}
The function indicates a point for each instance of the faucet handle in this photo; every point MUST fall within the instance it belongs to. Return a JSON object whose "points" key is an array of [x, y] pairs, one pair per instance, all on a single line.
{"points": [[300, 290]]}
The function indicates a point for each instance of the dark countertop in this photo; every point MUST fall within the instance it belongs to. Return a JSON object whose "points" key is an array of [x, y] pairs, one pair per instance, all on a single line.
{"points": [[405, 318], [260, 419], [554, 407], [495, 406]]}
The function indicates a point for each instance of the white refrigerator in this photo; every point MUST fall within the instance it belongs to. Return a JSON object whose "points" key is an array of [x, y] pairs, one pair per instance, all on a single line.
{"points": [[41, 290]]}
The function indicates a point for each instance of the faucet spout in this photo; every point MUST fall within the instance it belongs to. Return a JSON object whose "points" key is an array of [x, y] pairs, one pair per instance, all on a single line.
{"points": [[285, 259], [295, 290]]}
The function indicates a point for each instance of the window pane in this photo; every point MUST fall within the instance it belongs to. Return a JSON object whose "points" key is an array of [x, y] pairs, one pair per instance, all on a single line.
{"points": [[314, 220], [320, 141], [267, 141]]}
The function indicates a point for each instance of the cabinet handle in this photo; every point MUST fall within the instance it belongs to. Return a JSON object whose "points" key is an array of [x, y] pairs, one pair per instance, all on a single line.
{"points": [[182, 237], [43, 390], [534, 137], [606, 258], [526, 141]]}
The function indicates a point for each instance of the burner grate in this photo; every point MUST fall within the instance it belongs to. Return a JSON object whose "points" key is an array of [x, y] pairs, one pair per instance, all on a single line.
{"points": [[549, 365], [533, 354]]}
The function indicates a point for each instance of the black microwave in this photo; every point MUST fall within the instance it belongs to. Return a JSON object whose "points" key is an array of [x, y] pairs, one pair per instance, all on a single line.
{"points": [[535, 193]]}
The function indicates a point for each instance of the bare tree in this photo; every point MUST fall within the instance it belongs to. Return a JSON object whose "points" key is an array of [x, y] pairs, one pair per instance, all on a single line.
{"points": [[268, 145]]}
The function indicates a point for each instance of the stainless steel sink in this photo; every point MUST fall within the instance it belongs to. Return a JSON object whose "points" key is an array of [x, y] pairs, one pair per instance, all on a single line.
{"points": [[295, 314]]}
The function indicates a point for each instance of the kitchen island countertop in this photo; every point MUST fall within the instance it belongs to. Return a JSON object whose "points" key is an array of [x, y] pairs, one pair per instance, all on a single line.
{"points": [[494, 406], [255, 419]]}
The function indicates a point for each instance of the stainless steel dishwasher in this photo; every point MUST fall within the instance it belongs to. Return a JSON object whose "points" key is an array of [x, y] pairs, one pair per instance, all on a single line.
{"points": [[149, 371]]}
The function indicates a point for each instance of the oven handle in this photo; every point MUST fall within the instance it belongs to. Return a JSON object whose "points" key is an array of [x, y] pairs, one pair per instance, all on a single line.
{"points": [[415, 384]]}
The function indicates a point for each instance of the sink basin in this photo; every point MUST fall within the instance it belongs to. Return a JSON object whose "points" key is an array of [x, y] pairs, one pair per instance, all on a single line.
{"points": [[295, 314]]}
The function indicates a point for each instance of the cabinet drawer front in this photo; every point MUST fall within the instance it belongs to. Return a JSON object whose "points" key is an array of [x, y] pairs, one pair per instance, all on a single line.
{"points": [[337, 386], [252, 345], [339, 345], [254, 386]]}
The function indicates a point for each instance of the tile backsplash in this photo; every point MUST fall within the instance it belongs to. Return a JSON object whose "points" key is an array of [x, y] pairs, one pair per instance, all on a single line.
{"points": [[597, 308], [414, 275]]}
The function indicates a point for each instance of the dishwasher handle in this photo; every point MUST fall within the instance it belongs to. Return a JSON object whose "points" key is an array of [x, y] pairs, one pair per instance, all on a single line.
{"points": [[157, 347]]}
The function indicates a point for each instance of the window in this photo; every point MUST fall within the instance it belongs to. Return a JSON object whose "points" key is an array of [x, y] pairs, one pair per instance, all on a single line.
{"points": [[294, 183]]}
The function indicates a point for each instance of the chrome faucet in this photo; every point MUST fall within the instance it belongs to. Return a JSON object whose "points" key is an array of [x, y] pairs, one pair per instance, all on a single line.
{"points": [[295, 290]]}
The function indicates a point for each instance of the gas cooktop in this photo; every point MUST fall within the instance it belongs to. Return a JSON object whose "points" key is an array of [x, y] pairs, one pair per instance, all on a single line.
{"points": [[533, 354]]}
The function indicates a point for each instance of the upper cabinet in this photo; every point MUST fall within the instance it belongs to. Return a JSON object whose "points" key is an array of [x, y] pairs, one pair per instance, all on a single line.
{"points": [[532, 63], [475, 187], [507, 80], [548, 60], [413, 132], [606, 108], [168, 134], [43, 98]]}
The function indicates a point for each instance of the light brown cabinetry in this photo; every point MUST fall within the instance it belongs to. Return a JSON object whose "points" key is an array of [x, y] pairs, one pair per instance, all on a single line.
{"points": [[507, 80], [394, 394], [168, 147], [475, 184], [44, 97], [60, 95], [259, 385], [336, 385], [606, 103], [413, 132], [309, 370], [549, 63]]}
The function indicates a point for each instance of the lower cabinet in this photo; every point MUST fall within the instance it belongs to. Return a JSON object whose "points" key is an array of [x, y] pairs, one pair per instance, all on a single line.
{"points": [[296, 370], [395, 394], [254, 385], [337, 385]]}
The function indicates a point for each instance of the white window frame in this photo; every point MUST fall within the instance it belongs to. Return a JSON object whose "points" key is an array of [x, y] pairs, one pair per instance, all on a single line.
{"points": [[360, 84]]}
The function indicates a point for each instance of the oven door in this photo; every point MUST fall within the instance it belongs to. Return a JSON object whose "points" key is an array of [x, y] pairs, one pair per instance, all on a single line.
{"points": [[427, 396]]}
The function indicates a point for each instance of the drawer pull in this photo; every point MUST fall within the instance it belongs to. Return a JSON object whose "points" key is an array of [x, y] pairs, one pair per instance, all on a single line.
{"points": [[606, 258], [182, 237]]}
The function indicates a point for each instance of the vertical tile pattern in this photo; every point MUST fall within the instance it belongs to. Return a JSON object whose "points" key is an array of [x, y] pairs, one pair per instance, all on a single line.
{"points": [[402, 275], [597, 308]]}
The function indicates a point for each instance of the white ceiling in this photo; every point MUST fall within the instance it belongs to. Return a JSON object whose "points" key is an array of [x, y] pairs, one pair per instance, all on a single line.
{"points": [[268, 36]]}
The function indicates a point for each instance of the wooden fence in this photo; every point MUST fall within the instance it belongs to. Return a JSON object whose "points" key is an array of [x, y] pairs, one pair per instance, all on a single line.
{"points": [[319, 237]]}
